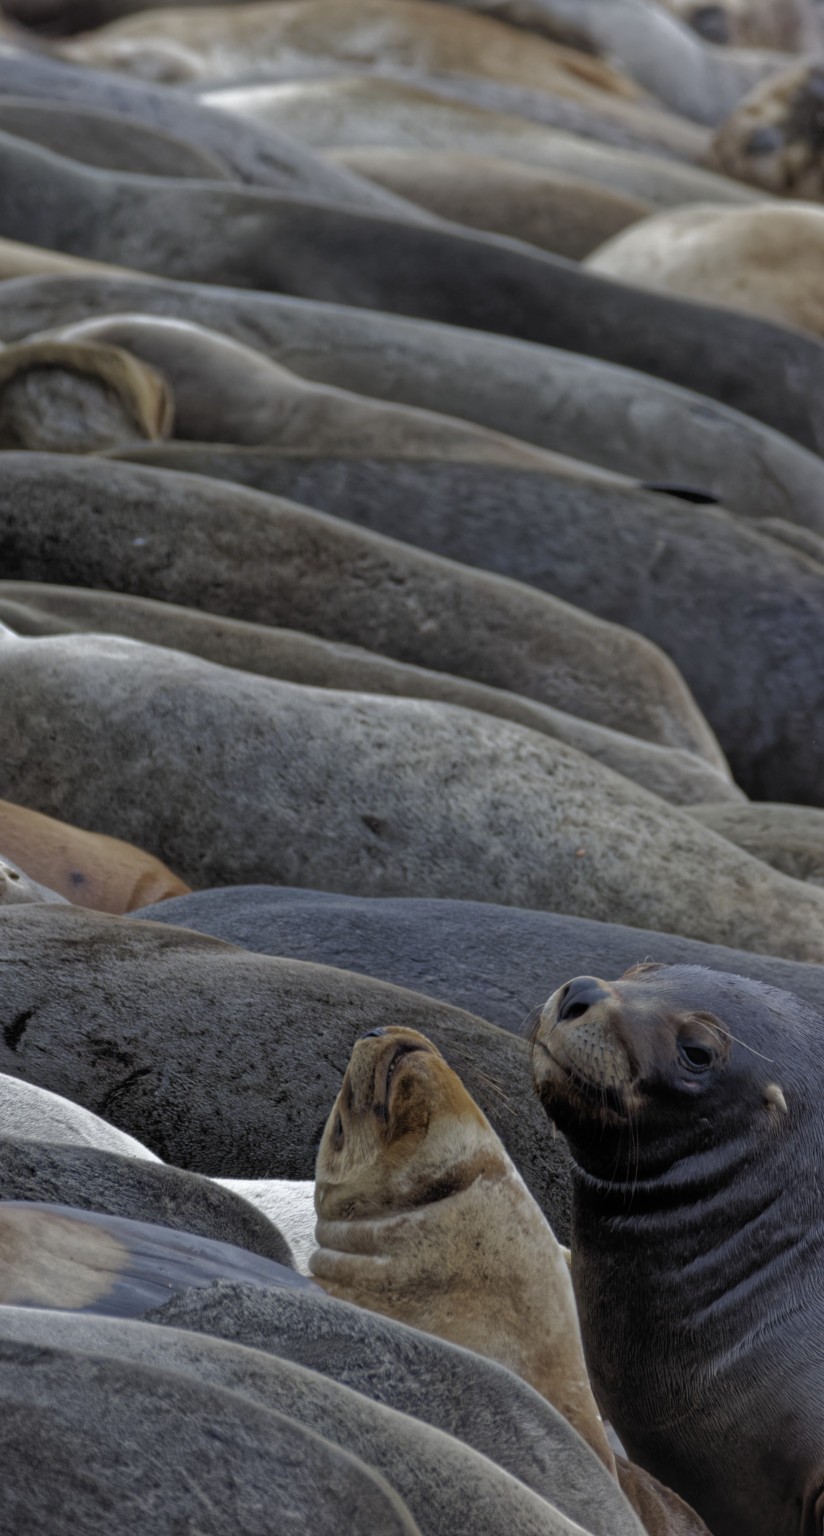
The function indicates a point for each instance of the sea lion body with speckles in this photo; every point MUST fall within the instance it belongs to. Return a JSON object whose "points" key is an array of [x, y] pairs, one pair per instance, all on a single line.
{"points": [[691, 1101]]}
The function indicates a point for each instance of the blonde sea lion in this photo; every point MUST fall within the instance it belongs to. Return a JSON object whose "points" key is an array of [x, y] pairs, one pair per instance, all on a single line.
{"points": [[423, 1216], [87, 868], [193, 43], [766, 260]]}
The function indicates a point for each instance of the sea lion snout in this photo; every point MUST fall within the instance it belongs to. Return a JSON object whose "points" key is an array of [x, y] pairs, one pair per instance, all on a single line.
{"points": [[578, 1047], [578, 996]]}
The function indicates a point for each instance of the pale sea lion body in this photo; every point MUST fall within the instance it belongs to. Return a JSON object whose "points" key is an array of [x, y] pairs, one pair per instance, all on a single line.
{"points": [[423, 1216], [766, 260], [415, 34], [773, 138], [691, 1103], [89, 869]]}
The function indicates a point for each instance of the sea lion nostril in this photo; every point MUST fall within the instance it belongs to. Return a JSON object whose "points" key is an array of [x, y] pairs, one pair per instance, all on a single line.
{"points": [[372, 1034], [581, 995]]}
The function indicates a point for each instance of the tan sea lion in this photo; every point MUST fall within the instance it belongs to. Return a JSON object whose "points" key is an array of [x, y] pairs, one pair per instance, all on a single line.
{"points": [[78, 397], [423, 1216], [209, 42], [766, 260], [88, 868], [773, 138]]}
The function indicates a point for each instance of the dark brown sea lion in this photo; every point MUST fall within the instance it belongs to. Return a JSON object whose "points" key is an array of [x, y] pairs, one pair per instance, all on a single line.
{"points": [[691, 1101]]}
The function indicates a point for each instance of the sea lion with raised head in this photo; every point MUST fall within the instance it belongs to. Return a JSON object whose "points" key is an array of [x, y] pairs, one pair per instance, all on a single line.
{"points": [[691, 1101], [422, 1216]]}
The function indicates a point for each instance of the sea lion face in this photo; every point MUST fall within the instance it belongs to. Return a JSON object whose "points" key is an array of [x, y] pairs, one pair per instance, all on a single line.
{"points": [[611, 1057], [401, 1118]]}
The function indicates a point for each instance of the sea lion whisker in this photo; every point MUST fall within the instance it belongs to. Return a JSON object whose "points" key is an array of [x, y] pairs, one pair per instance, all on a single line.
{"points": [[742, 1043]]}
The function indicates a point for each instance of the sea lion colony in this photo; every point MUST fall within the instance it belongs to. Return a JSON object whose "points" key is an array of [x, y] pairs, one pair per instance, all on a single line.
{"points": [[412, 530]]}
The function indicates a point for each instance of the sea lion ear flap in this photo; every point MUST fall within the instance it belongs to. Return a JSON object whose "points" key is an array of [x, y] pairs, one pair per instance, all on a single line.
{"points": [[774, 1097]]}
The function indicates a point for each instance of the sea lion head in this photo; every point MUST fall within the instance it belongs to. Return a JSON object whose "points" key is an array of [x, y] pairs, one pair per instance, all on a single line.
{"points": [[403, 1131], [656, 1056]]}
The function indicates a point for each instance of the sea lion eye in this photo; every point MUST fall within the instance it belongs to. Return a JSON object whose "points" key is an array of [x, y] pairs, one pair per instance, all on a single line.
{"points": [[697, 1057]]}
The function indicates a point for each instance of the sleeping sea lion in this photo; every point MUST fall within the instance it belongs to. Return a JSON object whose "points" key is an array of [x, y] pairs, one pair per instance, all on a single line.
{"points": [[765, 260], [691, 1102], [422, 1216], [178, 45], [346, 112]]}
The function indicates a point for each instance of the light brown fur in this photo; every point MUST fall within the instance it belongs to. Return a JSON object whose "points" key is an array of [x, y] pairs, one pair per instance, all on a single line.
{"points": [[88, 868], [423, 1217]]}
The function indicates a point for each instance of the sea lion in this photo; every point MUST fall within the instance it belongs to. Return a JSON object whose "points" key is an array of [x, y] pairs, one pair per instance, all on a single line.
{"points": [[34, 1114], [88, 869], [310, 249], [654, 48], [201, 1051], [227, 393], [789, 837], [765, 260], [773, 138], [93, 1442], [594, 410], [61, 1256], [262, 559], [474, 955], [712, 575], [406, 796], [135, 1188], [194, 43], [691, 1105], [546, 209], [260, 156], [31, 608], [106, 140], [347, 112], [441, 1481], [422, 1216], [79, 398]]}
